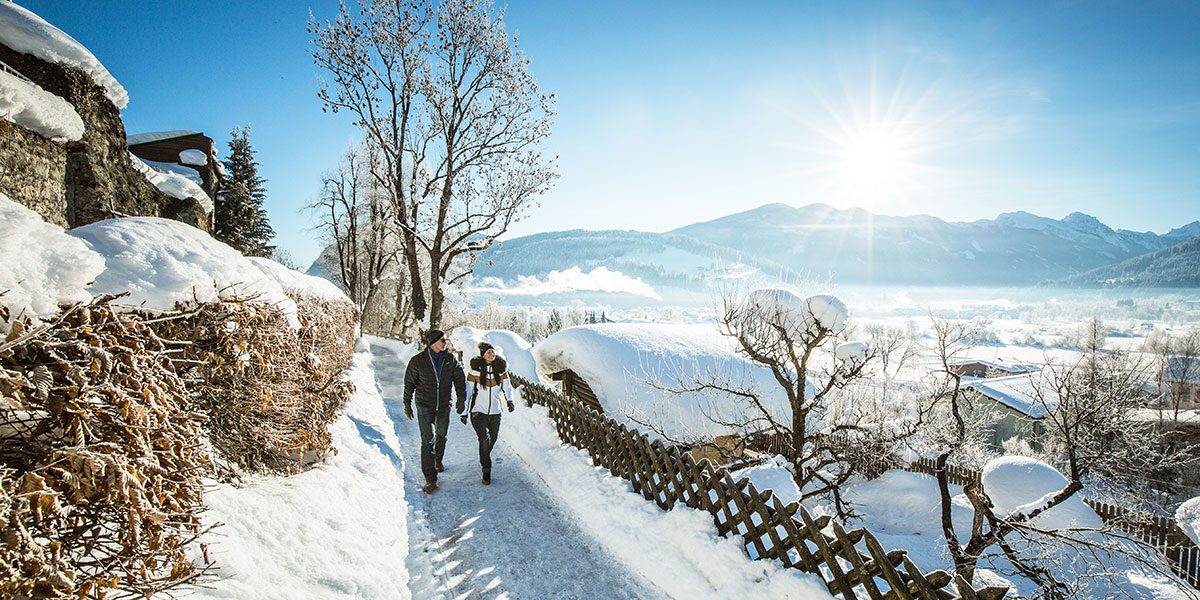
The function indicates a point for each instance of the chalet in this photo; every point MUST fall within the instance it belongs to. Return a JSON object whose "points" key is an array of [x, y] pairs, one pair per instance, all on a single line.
{"points": [[188, 153], [1013, 403], [975, 367]]}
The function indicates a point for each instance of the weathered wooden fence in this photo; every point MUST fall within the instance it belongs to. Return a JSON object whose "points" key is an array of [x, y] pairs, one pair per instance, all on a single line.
{"points": [[1160, 532], [852, 563]]}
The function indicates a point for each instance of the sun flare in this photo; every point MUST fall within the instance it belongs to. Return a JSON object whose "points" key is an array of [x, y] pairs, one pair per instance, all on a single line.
{"points": [[874, 163]]}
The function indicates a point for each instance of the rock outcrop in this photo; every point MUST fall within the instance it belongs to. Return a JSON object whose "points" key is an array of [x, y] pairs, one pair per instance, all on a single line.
{"points": [[80, 182]]}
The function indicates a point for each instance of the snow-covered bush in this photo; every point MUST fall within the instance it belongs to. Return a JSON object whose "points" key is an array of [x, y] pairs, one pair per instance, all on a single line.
{"points": [[41, 266]]}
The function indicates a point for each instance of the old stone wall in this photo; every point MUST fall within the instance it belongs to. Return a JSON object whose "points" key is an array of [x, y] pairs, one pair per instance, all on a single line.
{"points": [[33, 172], [96, 179]]}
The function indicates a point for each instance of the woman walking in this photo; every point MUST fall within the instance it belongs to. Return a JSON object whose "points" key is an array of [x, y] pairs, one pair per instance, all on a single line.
{"points": [[488, 381]]}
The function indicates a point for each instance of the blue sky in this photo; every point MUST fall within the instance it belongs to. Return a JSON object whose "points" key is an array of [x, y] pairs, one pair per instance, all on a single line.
{"points": [[677, 112]]}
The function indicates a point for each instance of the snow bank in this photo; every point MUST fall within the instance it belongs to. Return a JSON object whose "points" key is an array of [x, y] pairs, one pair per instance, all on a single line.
{"points": [[36, 109], [677, 551], [1187, 516], [28, 33], [173, 184], [299, 283], [517, 352], [619, 360], [339, 530], [161, 262], [1021, 484], [42, 266]]}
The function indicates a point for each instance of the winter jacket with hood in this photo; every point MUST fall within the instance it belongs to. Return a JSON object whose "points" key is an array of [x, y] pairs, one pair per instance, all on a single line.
{"points": [[430, 376], [488, 386]]}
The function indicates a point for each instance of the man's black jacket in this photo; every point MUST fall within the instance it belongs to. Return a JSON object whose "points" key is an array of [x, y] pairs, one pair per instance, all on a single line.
{"points": [[431, 388]]}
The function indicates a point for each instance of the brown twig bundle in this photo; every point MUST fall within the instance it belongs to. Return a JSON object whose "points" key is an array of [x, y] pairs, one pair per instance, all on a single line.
{"points": [[100, 460], [269, 391]]}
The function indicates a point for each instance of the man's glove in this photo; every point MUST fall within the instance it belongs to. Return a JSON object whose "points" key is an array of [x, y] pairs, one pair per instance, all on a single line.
{"points": [[463, 418], [408, 411], [510, 406]]}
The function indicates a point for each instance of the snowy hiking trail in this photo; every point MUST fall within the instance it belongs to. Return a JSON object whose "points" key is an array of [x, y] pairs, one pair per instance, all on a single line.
{"points": [[506, 540]]}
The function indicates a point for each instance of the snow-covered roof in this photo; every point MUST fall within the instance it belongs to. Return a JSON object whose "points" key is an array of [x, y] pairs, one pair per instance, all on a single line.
{"points": [[161, 262], [619, 360], [157, 136], [173, 184], [1018, 392], [42, 266], [28, 33], [998, 364], [33, 108]]}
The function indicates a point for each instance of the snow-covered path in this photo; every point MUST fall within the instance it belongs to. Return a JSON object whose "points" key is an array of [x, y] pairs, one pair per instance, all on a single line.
{"points": [[506, 540]]}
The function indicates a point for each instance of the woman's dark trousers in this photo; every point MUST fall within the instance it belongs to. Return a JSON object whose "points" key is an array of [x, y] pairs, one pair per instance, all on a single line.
{"points": [[487, 428], [433, 425]]}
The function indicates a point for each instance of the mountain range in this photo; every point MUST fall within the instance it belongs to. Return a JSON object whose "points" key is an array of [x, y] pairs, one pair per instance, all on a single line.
{"points": [[852, 246]]}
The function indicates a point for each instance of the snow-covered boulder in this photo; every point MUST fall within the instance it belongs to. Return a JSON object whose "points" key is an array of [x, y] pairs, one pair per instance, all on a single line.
{"points": [[42, 266], [1018, 484], [1187, 516], [513, 348], [161, 262]]}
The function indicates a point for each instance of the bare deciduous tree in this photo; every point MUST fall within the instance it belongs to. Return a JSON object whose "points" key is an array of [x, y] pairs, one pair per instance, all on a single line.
{"points": [[802, 343], [447, 102], [1091, 434]]}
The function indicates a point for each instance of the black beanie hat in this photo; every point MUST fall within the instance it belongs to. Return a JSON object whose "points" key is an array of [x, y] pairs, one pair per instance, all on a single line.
{"points": [[484, 347], [433, 335]]}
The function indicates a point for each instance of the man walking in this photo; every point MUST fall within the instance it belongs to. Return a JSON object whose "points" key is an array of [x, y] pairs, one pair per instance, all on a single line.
{"points": [[429, 376]]}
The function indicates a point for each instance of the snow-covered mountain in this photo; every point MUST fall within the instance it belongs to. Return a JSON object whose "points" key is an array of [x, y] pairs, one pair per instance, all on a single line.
{"points": [[1175, 267], [857, 246]]}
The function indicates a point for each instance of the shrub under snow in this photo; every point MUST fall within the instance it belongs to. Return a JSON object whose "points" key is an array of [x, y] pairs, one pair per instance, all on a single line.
{"points": [[53, 268]]}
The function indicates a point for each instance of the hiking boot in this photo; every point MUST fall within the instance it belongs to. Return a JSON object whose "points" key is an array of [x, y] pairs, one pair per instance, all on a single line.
{"points": [[430, 486], [438, 466], [487, 478]]}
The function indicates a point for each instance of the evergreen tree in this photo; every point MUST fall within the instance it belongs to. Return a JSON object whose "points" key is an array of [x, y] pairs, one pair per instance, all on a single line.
{"points": [[239, 218]]}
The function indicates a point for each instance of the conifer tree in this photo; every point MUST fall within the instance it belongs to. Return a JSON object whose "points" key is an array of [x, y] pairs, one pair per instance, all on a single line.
{"points": [[239, 218]]}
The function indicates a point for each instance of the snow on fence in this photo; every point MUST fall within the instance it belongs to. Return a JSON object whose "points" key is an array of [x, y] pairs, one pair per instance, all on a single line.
{"points": [[852, 564], [1160, 532]]}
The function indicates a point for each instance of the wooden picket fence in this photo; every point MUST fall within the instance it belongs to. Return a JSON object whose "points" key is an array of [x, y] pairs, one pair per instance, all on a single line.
{"points": [[1162, 533], [852, 563]]}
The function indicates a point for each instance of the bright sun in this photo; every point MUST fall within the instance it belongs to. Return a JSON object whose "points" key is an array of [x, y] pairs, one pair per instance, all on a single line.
{"points": [[873, 163]]}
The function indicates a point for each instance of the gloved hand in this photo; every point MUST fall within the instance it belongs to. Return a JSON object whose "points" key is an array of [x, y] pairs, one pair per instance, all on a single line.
{"points": [[463, 418], [510, 406], [408, 411]]}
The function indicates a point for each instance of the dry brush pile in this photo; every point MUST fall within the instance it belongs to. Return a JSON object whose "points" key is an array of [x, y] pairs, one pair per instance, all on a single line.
{"points": [[269, 391], [100, 459], [108, 420]]}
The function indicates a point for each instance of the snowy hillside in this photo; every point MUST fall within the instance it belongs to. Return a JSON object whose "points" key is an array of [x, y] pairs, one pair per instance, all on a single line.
{"points": [[1174, 267]]}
